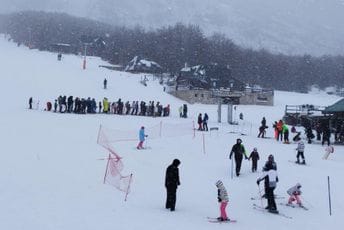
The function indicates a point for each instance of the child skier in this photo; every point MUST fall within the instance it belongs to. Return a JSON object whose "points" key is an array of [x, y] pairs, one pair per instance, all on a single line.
{"points": [[300, 150], [142, 137], [294, 194], [222, 197], [255, 157]]}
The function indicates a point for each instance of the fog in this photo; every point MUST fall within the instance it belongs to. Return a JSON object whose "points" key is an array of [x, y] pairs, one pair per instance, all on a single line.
{"points": [[287, 26]]}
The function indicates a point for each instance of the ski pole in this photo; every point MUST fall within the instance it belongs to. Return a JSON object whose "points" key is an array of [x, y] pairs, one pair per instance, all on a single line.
{"points": [[232, 168], [329, 194], [260, 196]]}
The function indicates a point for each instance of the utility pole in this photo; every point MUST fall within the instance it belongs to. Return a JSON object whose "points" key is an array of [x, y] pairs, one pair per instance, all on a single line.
{"points": [[85, 54]]}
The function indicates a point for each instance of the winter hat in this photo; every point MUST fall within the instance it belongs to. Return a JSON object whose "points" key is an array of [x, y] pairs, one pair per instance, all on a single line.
{"points": [[142, 127], [218, 183], [239, 140], [176, 162], [271, 157], [254, 149]]}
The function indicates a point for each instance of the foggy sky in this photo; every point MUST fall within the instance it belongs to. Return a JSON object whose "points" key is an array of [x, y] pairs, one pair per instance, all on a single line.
{"points": [[288, 26]]}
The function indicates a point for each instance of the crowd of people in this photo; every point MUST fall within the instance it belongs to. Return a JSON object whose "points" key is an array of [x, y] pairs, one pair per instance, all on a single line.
{"points": [[82, 106]]}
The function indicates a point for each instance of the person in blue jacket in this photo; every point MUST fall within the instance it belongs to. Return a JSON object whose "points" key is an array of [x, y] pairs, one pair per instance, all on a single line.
{"points": [[142, 137]]}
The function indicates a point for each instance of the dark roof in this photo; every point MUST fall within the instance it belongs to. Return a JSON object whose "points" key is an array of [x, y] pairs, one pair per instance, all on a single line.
{"points": [[337, 107]]}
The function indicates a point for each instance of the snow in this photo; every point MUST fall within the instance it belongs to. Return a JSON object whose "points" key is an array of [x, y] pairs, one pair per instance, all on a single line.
{"points": [[51, 176]]}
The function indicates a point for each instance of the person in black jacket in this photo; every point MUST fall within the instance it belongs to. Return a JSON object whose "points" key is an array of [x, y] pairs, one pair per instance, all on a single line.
{"points": [[270, 181], [239, 151], [171, 184], [30, 103], [255, 157], [199, 122]]}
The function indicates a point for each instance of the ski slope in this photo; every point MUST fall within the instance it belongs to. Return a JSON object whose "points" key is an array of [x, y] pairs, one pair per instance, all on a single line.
{"points": [[52, 178]]}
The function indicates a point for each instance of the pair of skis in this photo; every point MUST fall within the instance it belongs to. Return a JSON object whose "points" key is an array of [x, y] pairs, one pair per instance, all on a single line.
{"points": [[294, 206], [262, 209], [215, 220], [259, 198]]}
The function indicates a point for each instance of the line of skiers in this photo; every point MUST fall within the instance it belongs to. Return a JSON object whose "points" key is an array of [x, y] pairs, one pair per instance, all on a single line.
{"points": [[82, 106]]}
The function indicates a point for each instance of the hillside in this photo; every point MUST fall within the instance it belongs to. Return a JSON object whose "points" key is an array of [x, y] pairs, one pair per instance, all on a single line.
{"points": [[52, 177], [290, 27]]}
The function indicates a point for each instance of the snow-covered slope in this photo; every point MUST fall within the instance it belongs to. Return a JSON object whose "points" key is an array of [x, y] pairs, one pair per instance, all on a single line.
{"points": [[290, 27], [51, 177]]}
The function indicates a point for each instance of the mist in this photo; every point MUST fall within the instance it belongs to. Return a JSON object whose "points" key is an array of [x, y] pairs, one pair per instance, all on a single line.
{"points": [[290, 27]]}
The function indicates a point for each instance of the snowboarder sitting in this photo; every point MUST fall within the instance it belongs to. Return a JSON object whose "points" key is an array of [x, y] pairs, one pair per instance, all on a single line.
{"points": [[255, 157], [297, 137], [222, 197], [294, 193]]}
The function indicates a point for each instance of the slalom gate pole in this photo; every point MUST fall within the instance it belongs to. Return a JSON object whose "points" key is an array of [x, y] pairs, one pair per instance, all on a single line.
{"points": [[329, 195], [203, 143], [194, 130], [107, 166], [100, 127], [127, 192]]}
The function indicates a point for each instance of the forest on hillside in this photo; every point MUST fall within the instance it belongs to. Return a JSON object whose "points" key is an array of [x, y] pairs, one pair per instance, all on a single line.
{"points": [[172, 47]]}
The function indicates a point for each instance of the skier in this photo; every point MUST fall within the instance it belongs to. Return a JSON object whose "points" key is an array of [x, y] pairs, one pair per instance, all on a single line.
{"points": [[49, 106], [285, 131], [239, 151], [199, 122], [205, 122], [171, 183], [326, 136], [262, 128], [279, 127], [300, 152], [294, 194], [270, 178], [275, 130], [142, 137], [180, 110], [255, 157], [30, 103], [185, 110], [100, 107], [262, 131], [55, 106], [309, 134], [222, 197], [270, 164], [105, 105], [105, 83]]}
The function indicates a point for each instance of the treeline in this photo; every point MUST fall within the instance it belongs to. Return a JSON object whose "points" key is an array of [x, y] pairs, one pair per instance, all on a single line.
{"points": [[172, 47]]}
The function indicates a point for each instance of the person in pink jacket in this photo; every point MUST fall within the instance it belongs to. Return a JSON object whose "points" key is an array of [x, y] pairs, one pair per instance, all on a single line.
{"points": [[222, 197]]}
